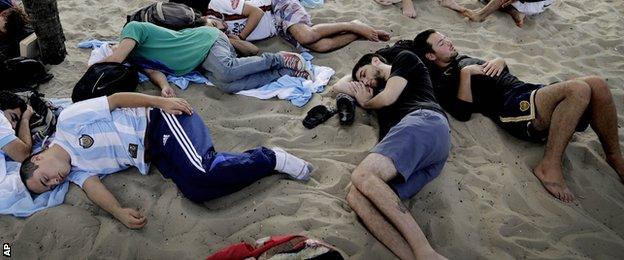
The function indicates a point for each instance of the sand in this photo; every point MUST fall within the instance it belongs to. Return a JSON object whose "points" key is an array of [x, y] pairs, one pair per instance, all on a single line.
{"points": [[486, 204]]}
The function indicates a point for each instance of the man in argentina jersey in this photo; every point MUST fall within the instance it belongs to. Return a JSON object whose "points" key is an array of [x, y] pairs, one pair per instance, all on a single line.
{"points": [[104, 135]]}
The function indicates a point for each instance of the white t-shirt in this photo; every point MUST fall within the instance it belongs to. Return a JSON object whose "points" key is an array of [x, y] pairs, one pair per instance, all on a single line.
{"points": [[7, 135], [231, 11]]}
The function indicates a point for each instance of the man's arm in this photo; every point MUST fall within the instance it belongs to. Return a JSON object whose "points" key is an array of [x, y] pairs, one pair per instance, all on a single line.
{"points": [[254, 15], [175, 106], [122, 51], [19, 148], [160, 80], [394, 86], [99, 194], [244, 48]]}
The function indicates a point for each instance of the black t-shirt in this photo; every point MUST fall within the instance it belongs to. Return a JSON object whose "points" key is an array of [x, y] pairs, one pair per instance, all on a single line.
{"points": [[418, 89], [488, 93]]}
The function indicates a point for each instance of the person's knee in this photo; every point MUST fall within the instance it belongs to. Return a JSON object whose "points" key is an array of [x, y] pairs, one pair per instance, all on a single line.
{"points": [[303, 34], [599, 88], [580, 91], [352, 197], [358, 177]]}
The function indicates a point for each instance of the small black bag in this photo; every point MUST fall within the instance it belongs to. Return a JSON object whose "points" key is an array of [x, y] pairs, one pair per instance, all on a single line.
{"points": [[105, 79], [169, 15], [23, 72]]}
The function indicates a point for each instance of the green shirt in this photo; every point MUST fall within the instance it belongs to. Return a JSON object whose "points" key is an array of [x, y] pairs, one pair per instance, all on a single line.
{"points": [[173, 52]]}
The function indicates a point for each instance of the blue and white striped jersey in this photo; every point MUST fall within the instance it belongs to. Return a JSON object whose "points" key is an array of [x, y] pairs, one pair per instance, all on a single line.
{"points": [[101, 141]]}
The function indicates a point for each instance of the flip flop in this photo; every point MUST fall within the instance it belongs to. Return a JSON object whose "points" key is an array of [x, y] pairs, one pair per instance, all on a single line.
{"points": [[317, 115], [346, 108]]}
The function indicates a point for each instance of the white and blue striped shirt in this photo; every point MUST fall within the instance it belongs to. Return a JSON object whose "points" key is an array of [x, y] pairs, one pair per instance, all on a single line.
{"points": [[101, 141]]}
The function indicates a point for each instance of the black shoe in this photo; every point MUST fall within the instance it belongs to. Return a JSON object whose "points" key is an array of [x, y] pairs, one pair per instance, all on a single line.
{"points": [[346, 108], [317, 115]]}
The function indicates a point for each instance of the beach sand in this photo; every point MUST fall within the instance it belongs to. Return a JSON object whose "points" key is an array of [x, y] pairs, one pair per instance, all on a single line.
{"points": [[486, 204]]}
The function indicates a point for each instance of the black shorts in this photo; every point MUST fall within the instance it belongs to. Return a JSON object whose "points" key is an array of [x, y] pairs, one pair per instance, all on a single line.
{"points": [[519, 111]]}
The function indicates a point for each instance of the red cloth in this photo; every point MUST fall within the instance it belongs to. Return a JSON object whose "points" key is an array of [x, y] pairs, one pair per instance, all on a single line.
{"points": [[244, 250]]}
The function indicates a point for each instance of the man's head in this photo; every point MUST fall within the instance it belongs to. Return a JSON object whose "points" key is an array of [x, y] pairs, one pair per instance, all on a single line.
{"points": [[43, 171], [13, 21], [12, 106], [368, 70], [434, 47], [215, 22]]}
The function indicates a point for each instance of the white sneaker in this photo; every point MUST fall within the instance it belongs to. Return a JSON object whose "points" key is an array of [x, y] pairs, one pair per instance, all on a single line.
{"points": [[295, 167]]}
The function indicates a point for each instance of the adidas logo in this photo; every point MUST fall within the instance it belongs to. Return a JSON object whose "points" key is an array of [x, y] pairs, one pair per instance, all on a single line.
{"points": [[165, 138]]}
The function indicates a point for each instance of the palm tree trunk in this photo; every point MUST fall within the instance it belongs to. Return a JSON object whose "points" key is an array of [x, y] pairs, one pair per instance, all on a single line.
{"points": [[45, 20]]}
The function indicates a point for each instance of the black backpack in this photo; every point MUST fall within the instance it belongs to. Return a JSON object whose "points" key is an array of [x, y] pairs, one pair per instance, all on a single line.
{"points": [[174, 16], [43, 121], [23, 72], [105, 79]]}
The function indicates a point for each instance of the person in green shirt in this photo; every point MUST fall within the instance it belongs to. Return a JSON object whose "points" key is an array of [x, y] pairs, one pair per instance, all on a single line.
{"points": [[163, 51]]}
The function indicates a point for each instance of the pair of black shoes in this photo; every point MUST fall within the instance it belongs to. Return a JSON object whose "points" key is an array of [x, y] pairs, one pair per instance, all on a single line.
{"points": [[345, 108]]}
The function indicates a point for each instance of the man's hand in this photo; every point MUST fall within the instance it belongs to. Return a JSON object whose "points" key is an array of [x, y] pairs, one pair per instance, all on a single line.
{"points": [[167, 92], [175, 106], [27, 113], [493, 67], [506, 3], [130, 218], [362, 93], [473, 69]]}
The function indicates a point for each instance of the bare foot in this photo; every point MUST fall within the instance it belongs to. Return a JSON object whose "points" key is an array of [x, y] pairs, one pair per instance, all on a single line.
{"points": [[451, 4], [365, 31], [409, 12], [552, 180], [472, 15], [383, 35], [518, 18], [617, 163], [387, 2]]}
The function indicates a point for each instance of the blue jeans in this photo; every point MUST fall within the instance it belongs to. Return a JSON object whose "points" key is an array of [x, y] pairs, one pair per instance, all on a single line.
{"points": [[232, 74]]}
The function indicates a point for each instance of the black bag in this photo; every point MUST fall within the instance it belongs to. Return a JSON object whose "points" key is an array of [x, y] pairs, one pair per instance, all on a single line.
{"points": [[105, 79], [199, 5], [174, 16], [43, 121], [23, 72]]}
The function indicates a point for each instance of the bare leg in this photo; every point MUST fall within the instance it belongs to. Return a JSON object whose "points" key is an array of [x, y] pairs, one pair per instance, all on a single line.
{"points": [[451, 4], [481, 14], [370, 179], [559, 107], [332, 43], [378, 225], [604, 121], [516, 15], [306, 35]]}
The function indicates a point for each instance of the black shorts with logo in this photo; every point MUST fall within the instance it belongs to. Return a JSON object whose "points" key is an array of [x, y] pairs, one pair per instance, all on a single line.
{"points": [[519, 111]]}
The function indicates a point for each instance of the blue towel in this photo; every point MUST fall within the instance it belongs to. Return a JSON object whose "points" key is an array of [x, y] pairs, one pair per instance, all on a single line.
{"points": [[182, 81], [92, 44]]}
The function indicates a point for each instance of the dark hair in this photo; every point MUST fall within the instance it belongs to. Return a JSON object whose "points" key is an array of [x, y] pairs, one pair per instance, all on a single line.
{"points": [[365, 60], [9, 100], [16, 21], [28, 168], [421, 46]]}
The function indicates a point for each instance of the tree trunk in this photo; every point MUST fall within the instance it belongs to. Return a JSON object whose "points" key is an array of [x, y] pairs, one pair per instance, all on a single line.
{"points": [[45, 20]]}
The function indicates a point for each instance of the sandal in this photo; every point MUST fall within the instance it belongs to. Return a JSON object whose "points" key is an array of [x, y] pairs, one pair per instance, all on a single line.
{"points": [[346, 108], [317, 115]]}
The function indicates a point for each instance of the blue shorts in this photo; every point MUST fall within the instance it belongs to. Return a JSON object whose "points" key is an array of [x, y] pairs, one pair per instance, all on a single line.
{"points": [[418, 146], [182, 150]]}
